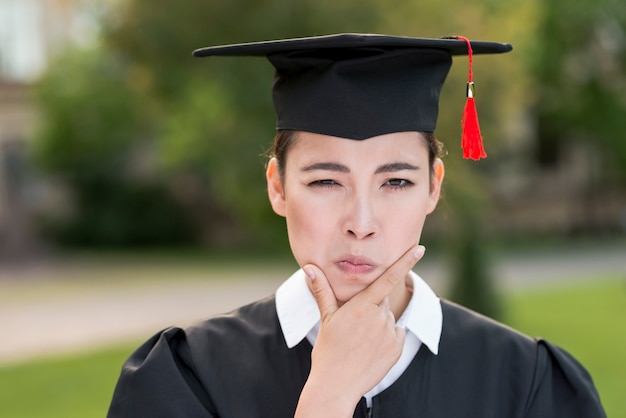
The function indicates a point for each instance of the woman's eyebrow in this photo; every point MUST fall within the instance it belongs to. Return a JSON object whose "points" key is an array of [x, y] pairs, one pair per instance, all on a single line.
{"points": [[337, 167], [393, 167], [327, 167]]}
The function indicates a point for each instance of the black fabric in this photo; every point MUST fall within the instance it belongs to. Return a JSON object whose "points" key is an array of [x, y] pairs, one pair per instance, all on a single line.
{"points": [[362, 97], [350, 40], [357, 86], [238, 366]]}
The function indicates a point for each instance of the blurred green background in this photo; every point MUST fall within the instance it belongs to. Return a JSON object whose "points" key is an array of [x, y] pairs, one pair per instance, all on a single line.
{"points": [[127, 166]]}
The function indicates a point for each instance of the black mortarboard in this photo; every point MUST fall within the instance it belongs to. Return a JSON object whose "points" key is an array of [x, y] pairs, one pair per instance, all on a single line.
{"points": [[358, 85]]}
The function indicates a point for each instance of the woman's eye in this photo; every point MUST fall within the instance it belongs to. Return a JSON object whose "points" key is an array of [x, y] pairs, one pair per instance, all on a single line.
{"points": [[398, 183], [323, 183]]}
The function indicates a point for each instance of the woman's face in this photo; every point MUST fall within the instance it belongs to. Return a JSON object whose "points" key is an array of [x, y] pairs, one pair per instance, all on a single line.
{"points": [[354, 207]]}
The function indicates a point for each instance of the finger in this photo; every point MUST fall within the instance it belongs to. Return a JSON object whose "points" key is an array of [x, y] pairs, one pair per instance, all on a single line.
{"points": [[400, 334], [385, 303], [383, 285], [321, 290], [391, 319]]}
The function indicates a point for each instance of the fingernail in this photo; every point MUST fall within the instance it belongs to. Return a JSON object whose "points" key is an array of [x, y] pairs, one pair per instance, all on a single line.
{"points": [[309, 272], [419, 251]]}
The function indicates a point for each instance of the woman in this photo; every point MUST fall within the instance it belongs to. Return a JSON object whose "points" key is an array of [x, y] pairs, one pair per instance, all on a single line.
{"points": [[355, 171]]}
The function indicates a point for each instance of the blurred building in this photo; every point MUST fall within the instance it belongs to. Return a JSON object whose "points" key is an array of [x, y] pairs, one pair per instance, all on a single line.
{"points": [[571, 196], [31, 33]]}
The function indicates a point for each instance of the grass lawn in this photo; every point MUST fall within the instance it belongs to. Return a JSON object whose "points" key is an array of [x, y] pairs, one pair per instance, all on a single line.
{"points": [[62, 387], [588, 319]]}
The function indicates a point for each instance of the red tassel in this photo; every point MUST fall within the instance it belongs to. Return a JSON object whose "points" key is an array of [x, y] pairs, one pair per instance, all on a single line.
{"points": [[472, 140]]}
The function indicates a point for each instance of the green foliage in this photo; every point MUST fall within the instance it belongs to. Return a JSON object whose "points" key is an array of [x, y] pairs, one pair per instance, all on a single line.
{"points": [[118, 214], [160, 37], [196, 128], [579, 64], [217, 119], [468, 240], [92, 138], [89, 122]]}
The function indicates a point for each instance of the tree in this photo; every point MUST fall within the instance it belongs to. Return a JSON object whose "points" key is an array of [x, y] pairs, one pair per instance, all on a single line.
{"points": [[92, 135], [192, 126], [580, 69], [580, 66]]}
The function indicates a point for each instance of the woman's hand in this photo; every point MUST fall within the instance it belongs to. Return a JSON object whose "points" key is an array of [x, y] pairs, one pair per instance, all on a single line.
{"points": [[357, 345]]}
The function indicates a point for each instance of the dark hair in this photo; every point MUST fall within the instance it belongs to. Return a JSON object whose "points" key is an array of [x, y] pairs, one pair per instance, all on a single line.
{"points": [[285, 138]]}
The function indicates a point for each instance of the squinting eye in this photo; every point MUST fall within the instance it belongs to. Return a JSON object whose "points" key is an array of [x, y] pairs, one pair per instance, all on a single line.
{"points": [[323, 183], [398, 183]]}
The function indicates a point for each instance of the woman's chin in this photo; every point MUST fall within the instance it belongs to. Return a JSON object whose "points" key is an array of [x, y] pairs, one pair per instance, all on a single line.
{"points": [[343, 292], [346, 285]]}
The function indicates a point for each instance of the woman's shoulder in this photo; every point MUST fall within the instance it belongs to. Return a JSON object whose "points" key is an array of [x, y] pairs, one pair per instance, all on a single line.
{"points": [[472, 332], [252, 314], [196, 370], [211, 338], [251, 321], [550, 378]]}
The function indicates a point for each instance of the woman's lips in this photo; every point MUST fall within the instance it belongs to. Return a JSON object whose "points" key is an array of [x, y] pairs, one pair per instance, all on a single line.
{"points": [[355, 265]]}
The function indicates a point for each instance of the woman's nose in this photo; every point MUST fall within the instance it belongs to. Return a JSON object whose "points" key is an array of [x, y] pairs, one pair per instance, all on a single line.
{"points": [[360, 220]]}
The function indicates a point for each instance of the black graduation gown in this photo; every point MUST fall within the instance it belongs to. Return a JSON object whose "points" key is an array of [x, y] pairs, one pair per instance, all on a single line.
{"points": [[238, 366]]}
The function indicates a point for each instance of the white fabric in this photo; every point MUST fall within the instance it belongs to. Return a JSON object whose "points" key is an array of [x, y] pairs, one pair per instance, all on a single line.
{"points": [[299, 318]]}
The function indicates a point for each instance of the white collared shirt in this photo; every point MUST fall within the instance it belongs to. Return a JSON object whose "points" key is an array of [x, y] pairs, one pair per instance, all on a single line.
{"points": [[299, 317]]}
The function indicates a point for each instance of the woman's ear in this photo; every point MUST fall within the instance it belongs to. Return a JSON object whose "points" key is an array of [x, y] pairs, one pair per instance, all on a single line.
{"points": [[275, 187], [436, 181]]}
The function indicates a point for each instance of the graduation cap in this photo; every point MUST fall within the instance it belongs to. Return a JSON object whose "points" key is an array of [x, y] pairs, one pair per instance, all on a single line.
{"points": [[359, 86]]}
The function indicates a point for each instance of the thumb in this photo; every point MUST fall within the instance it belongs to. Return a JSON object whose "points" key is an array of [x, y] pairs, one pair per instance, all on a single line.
{"points": [[401, 334], [321, 290]]}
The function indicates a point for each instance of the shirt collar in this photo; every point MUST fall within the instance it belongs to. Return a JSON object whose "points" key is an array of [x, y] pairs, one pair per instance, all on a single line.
{"points": [[298, 313]]}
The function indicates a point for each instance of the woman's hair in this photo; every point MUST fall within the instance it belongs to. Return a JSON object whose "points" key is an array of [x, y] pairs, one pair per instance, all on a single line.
{"points": [[285, 138]]}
